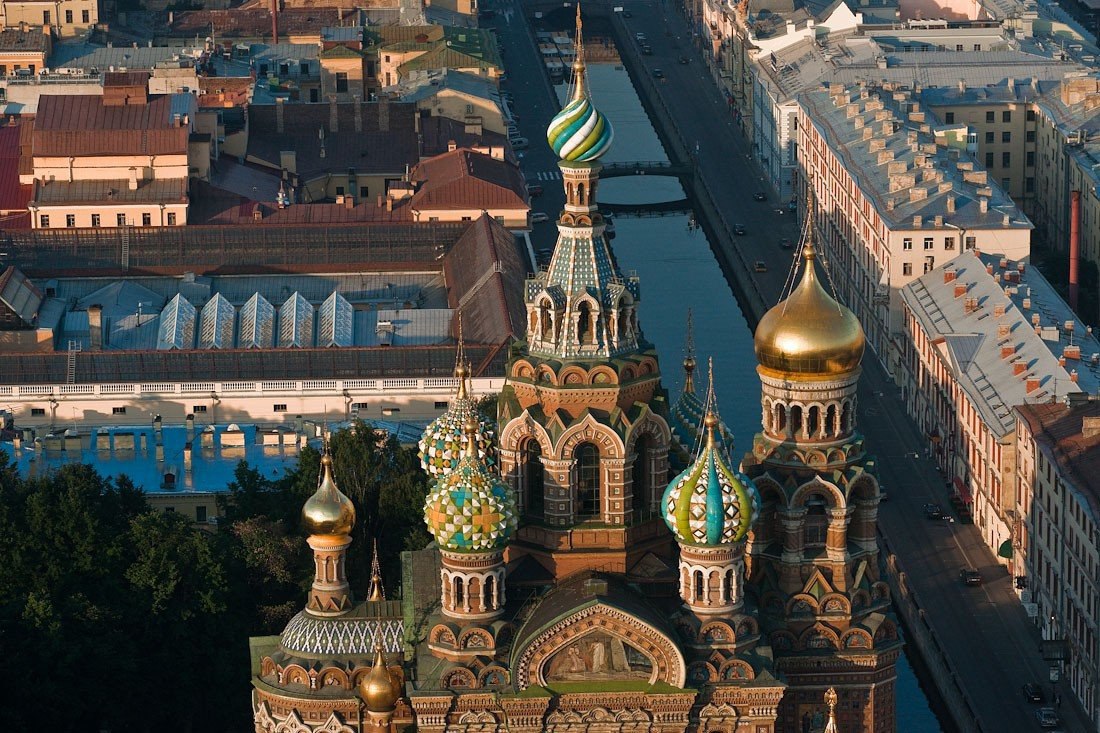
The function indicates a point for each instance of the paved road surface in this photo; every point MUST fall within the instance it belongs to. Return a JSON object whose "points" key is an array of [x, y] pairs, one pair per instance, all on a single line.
{"points": [[985, 630]]}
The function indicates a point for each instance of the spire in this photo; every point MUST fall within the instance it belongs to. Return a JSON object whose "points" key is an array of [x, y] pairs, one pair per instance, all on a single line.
{"points": [[580, 85], [689, 355], [710, 422], [830, 700], [377, 591], [579, 133], [462, 368], [329, 517]]}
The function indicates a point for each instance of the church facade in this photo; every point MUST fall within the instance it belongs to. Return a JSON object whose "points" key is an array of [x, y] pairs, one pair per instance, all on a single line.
{"points": [[579, 581]]}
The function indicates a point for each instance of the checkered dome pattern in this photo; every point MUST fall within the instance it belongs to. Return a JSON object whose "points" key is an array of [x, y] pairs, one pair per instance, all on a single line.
{"points": [[470, 510], [711, 504], [442, 442]]}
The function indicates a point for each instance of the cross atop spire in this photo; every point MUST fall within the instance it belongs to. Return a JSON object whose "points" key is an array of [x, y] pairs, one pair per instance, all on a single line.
{"points": [[377, 591], [580, 87], [689, 355], [462, 367]]}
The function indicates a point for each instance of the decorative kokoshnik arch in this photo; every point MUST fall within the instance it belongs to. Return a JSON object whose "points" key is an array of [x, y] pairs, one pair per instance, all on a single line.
{"points": [[665, 656]]}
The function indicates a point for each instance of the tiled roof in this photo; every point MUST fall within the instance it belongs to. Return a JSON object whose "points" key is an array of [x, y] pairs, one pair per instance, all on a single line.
{"points": [[166, 190], [373, 150], [464, 179], [341, 52], [1058, 428], [13, 196], [73, 124], [34, 40]]}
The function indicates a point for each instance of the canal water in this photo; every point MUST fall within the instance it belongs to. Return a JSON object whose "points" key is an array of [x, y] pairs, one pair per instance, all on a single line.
{"points": [[678, 271]]}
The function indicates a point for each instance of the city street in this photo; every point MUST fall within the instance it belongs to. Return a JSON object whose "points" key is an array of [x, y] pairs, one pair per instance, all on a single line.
{"points": [[991, 643]]}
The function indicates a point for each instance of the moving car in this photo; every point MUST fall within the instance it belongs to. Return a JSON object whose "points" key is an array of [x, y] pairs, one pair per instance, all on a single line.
{"points": [[760, 196], [658, 74], [970, 576], [647, 50], [739, 229], [1033, 692], [759, 266], [539, 217], [683, 60], [785, 243], [1047, 717], [534, 189], [935, 512]]}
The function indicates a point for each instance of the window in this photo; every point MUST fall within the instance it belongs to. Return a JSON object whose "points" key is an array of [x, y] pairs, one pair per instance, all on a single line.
{"points": [[284, 69], [1029, 159], [1006, 136], [68, 16], [949, 243], [278, 408], [38, 411], [639, 491], [1030, 116], [1006, 159], [85, 16], [1006, 183], [907, 244], [70, 220], [990, 117], [358, 405], [971, 243], [907, 268], [118, 410], [341, 82], [200, 513], [146, 219], [46, 17], [1006, 116], [198, 408], [1030, 136], [44, 220], [171, 218], [949, 118], [441, 404], [989, 160], [928, 243], [989, 136], [958, 47], [467, 218], [533, 479], [339, 190], [469, 109], [1029, 184], [95, 220], [929, 264], [977, 47], [588, 481], [364, 192], [120, 220]]}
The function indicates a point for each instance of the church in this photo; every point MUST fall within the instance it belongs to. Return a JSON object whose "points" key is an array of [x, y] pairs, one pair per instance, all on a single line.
{"points": [[579, 580]]}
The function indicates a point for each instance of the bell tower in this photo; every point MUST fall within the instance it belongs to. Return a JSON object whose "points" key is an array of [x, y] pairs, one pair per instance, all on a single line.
{"points": [[584, 436]]}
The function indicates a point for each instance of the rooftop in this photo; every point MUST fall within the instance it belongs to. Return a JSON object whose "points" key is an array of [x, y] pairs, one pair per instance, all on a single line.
{"points": [[428, 85], [32, 40], [465, 179], [885, 139], [256, 22], [82, 125], [438, 132], [163, 190], [1062, 431], [1006, 333]]}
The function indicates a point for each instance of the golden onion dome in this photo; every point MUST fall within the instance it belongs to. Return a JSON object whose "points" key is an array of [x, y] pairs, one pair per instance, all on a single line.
{"points": [[328, 511], [809, 334], [377, 689]]}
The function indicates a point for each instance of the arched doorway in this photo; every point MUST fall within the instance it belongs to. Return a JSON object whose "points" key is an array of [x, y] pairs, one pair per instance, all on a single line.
{"points": [[588, 482]]}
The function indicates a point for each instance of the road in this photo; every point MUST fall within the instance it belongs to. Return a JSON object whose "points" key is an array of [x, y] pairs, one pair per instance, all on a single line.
{"points": [[991, 643]]}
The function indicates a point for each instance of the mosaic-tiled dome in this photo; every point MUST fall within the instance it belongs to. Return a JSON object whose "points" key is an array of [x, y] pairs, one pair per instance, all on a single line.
{"points": [[579, 132], [710, 503], [470, 509], [441, 445]]}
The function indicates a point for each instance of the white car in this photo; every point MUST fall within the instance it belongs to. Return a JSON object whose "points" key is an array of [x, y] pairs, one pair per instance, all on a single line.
{"points": [[539, 217]]}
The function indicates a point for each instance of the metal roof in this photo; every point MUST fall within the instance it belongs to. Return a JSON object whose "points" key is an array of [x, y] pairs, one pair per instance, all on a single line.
{"points": [[257, 324], [335, 322], [217, 322], [177, 325], [296, 322]]}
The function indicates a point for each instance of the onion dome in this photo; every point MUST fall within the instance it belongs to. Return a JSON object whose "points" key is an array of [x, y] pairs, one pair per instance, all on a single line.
{"points": [[377, 689], [470, 510], [579, 132], [810, 334], [710, 504], [328, 511], [441, 444]]}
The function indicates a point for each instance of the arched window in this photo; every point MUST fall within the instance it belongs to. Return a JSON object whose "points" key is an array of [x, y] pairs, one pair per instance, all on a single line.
{"points": [[846, 417], [588, 481], [698, 578], [780, 418], [817, 521], [580, 195], [796, 420], [586, 328], [640, 477], [533, 479], [488, 601], [459, 594], [729, 586], [814, 420], [544, 320], [830, 420]]}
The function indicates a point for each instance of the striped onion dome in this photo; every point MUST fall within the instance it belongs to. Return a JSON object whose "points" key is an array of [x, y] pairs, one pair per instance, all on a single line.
{"points": [[579, 133], [470, 509], [442, 441], [710, 503]]}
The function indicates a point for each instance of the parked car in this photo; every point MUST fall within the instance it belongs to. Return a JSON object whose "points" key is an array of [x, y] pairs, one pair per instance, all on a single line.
{"points": [[1047, 717], [935, 512], [759, 266], [760, 196], [739, 230], [658, 74], [647, 50], [683, 60], [785, 243], [519, 143], [1033, 693], [970, 576], [534, 189], [640, 37], [539, 217]]}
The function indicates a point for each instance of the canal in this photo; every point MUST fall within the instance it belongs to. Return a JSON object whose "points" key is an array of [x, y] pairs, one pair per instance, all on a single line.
{"points": [[678, 272]]}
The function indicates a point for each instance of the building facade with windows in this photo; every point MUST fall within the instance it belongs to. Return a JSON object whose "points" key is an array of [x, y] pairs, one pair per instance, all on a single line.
{"points": [[895, 204], [68, 18]]}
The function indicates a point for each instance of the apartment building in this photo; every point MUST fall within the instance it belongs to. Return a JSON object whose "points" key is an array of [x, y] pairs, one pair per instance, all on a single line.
{"points": [[984, 335], [893, 204], [121, 159], [67, 18], [24, 49]]}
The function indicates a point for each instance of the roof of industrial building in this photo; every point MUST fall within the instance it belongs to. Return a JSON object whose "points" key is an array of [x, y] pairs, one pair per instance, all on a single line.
{"points": [[976, 335]]}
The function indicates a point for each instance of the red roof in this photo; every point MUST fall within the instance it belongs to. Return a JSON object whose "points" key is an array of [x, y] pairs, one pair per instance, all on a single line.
{"points": [[13, 196], [78, 124], [465, 179]]}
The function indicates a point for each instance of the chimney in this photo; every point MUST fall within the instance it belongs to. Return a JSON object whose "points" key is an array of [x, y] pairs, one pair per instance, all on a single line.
{"points": [[983, 204], [133, 179], [451, 146], [1074, 246], [1073, 376], [1008, 351], [949, 276], [279, 120], [274, 21], [358, 113], [998, 310], [960, 288], [989, 269], [1018, 368], [970, 304], [1090, 427], [1032, 384], [95, 326], [333, 115], [951, 204]]}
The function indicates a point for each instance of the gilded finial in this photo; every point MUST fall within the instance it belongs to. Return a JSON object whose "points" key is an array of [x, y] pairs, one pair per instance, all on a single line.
{"points": [[377, 592], [462, 369], [470, 429], [710, 422], [808, 252], [377, 689], [328, 511], [689, 356], [830, 700], [580, 89]]}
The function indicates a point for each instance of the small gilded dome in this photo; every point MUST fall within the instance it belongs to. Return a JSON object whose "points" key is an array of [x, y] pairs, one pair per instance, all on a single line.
{"points": [[710, 504], [470, 510], [579, 132], [441, 445], [328, 511], [377, 689], [809, 334]]}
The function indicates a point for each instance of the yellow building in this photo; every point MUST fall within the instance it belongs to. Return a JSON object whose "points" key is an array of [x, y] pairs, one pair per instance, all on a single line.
{"points": [[24, 48], [68, 18]]}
